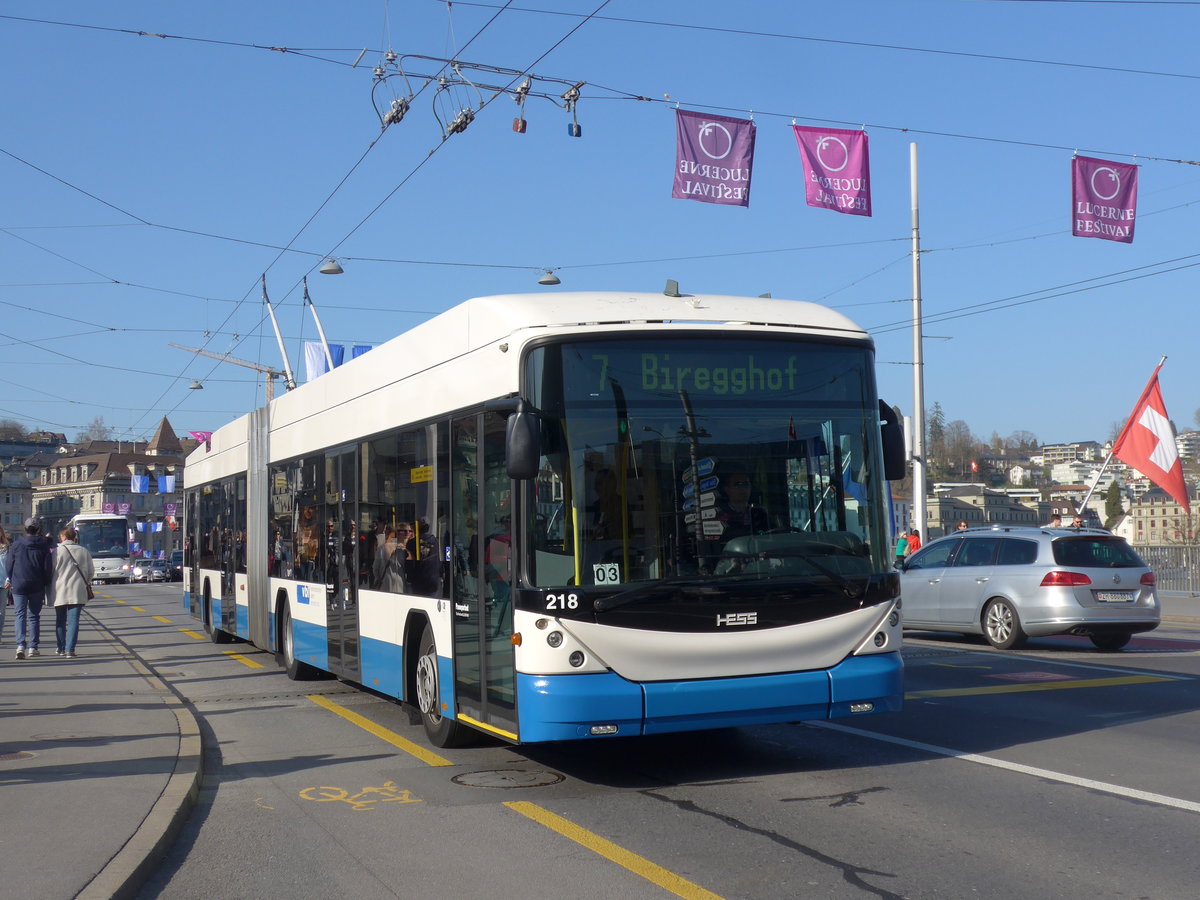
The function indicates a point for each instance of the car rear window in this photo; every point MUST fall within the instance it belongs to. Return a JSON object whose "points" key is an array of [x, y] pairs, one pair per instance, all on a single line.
{"points": [[1015, 552], [1106, 553]]}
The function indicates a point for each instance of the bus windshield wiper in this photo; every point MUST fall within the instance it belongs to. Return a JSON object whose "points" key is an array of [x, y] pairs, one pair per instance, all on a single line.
{"points": [[646, 591], [852, 588]]}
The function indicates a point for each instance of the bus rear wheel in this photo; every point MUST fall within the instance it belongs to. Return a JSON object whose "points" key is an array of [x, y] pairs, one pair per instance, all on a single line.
{"points": [[296, 670], [441, 730]]}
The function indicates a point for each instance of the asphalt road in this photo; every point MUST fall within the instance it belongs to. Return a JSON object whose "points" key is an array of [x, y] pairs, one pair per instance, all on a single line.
{"points": [[1056, 771]]}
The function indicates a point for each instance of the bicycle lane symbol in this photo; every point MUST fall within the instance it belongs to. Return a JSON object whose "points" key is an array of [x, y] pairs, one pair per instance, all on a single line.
{"points": [[364, 799]]}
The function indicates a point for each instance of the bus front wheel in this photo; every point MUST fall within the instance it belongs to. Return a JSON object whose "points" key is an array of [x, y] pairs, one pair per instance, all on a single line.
{"points": [[441, 730]]}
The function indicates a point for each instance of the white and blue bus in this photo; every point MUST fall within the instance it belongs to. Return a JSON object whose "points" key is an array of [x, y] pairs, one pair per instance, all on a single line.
{"points": [[572, 515], [106, 537]]}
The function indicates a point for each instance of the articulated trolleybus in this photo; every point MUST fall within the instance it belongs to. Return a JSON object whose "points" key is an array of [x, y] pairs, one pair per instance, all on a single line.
{"points": [[573, 515]]}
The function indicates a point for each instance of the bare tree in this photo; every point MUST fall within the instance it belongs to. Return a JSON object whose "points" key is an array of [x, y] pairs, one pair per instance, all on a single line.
{"points": [[1023, 440], [12, 430], [95, 431]]}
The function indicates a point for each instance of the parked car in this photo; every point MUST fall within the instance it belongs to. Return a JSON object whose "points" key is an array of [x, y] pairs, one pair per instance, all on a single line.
{"points": [[150, 570], [1011, 583]]}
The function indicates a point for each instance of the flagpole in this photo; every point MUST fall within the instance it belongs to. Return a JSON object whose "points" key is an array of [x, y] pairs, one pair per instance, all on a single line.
{"points": [[918, 431]]}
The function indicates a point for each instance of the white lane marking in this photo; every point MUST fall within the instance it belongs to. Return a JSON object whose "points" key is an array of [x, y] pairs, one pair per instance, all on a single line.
{"points": [[1118, 790]]}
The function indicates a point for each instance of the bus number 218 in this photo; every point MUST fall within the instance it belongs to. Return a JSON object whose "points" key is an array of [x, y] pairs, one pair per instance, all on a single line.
{"points": [[562, 601]]}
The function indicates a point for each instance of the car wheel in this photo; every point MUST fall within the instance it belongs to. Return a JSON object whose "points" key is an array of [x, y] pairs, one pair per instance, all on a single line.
{"points": [[1002, 625], [1111, 641]]}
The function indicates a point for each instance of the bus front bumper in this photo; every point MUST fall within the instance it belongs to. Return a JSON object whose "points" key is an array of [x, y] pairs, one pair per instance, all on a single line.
{"points": [[570, 707]]}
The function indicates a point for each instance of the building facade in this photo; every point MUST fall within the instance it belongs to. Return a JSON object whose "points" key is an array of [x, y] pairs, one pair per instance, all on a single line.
{"points": [[94, 480]]}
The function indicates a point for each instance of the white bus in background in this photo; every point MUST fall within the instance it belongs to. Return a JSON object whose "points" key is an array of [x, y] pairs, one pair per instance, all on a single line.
{"points": [[573, 515], [106, 537]]}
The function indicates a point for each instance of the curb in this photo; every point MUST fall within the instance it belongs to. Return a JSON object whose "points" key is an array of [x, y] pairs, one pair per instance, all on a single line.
{"points": [[125, 873]]}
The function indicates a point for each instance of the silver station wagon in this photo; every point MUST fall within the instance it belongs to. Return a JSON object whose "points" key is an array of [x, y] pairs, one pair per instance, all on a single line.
{"points": [[1012, 583]]}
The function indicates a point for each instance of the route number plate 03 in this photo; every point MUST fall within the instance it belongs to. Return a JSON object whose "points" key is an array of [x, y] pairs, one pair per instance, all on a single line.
{"points": [[1114, 596], [606, 573]]}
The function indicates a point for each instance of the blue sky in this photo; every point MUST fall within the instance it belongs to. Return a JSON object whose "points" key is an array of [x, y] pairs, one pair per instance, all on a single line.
{"points": [[231, 151]]}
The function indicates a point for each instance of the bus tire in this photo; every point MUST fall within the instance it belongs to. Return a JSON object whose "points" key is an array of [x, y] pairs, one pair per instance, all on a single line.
{"points": [[441, 730], [296, 670], [215, 634]]}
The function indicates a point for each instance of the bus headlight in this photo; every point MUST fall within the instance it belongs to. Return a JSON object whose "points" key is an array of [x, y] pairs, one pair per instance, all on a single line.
{"points": [[576, 658], [554, 639]]}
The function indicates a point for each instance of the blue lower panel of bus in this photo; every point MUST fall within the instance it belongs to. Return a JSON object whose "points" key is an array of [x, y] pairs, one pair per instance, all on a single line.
{"points": [[187, 601], [242, 619], [566, 707], [311, 644], [383, 666]]}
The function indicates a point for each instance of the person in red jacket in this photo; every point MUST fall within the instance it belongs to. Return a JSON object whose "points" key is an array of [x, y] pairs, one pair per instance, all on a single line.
{"points": [[914, 541]]}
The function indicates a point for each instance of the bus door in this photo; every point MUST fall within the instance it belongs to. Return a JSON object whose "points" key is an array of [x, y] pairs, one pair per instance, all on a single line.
{"points": [[485, 683], [339, 562], [191, 559]]}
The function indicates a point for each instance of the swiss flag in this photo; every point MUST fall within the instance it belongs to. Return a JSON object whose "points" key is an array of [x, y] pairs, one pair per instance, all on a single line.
{"points": [[1147, 444]]}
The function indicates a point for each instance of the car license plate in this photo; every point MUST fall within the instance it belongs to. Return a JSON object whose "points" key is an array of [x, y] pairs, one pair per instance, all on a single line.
{"points": [[1114, 596]]}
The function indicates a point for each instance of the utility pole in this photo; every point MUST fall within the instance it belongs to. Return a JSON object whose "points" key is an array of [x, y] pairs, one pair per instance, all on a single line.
{"points": [[918, 431]]}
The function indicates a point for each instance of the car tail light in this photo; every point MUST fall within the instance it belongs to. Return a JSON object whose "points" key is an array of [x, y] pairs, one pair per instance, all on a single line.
{"points": [[1065, 579], [1148, 579]]}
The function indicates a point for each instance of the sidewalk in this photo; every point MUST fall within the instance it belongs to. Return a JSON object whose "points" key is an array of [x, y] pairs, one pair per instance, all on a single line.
{"points": [[99, 763], [1178, 606]]}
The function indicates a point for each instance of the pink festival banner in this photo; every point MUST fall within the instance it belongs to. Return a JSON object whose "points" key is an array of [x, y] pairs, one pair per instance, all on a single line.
{"points": [[837, 169], [1103, 199], [713, 158]]}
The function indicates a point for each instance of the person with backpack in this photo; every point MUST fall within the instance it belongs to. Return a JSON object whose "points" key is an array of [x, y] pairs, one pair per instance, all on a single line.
{"points": [[31, 574]]}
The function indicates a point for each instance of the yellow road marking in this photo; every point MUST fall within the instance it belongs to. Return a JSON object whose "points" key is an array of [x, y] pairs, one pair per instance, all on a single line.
{"points": [[486, 727], [1036, 686], [138, 608], [192, 634], [243, 659], [426, 756], [638, 865], [165, 621], [118, 600]]}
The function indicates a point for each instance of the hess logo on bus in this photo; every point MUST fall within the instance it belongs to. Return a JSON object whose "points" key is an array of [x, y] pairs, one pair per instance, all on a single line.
{"points": [[749, 618]]}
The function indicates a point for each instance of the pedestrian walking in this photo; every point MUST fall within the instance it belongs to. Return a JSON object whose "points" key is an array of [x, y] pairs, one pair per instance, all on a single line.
{"points": [[73, 574], [5, 596], [901, 548], [31, 574]]}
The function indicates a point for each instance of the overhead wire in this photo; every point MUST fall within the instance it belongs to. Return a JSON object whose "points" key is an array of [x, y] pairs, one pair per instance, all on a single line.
{"points": [[594, 14]]}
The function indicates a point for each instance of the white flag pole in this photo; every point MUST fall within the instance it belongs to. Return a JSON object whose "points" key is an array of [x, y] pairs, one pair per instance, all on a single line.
{"points": [[919, 470]]}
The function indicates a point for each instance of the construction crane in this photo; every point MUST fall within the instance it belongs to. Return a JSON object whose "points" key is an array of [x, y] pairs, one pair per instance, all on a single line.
{"points": [[271, 374]]}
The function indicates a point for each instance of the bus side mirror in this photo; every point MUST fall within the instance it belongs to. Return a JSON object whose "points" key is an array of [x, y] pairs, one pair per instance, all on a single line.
{"points": [[522, 437], [892, 433], [523, 443]]}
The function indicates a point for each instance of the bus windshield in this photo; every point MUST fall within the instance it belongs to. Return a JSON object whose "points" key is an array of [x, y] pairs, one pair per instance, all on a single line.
{"points": [[104, 538], [707, 459]]}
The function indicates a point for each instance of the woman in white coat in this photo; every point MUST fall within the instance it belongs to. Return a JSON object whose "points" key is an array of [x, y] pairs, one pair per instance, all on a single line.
{"points": [[73, 574]]}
